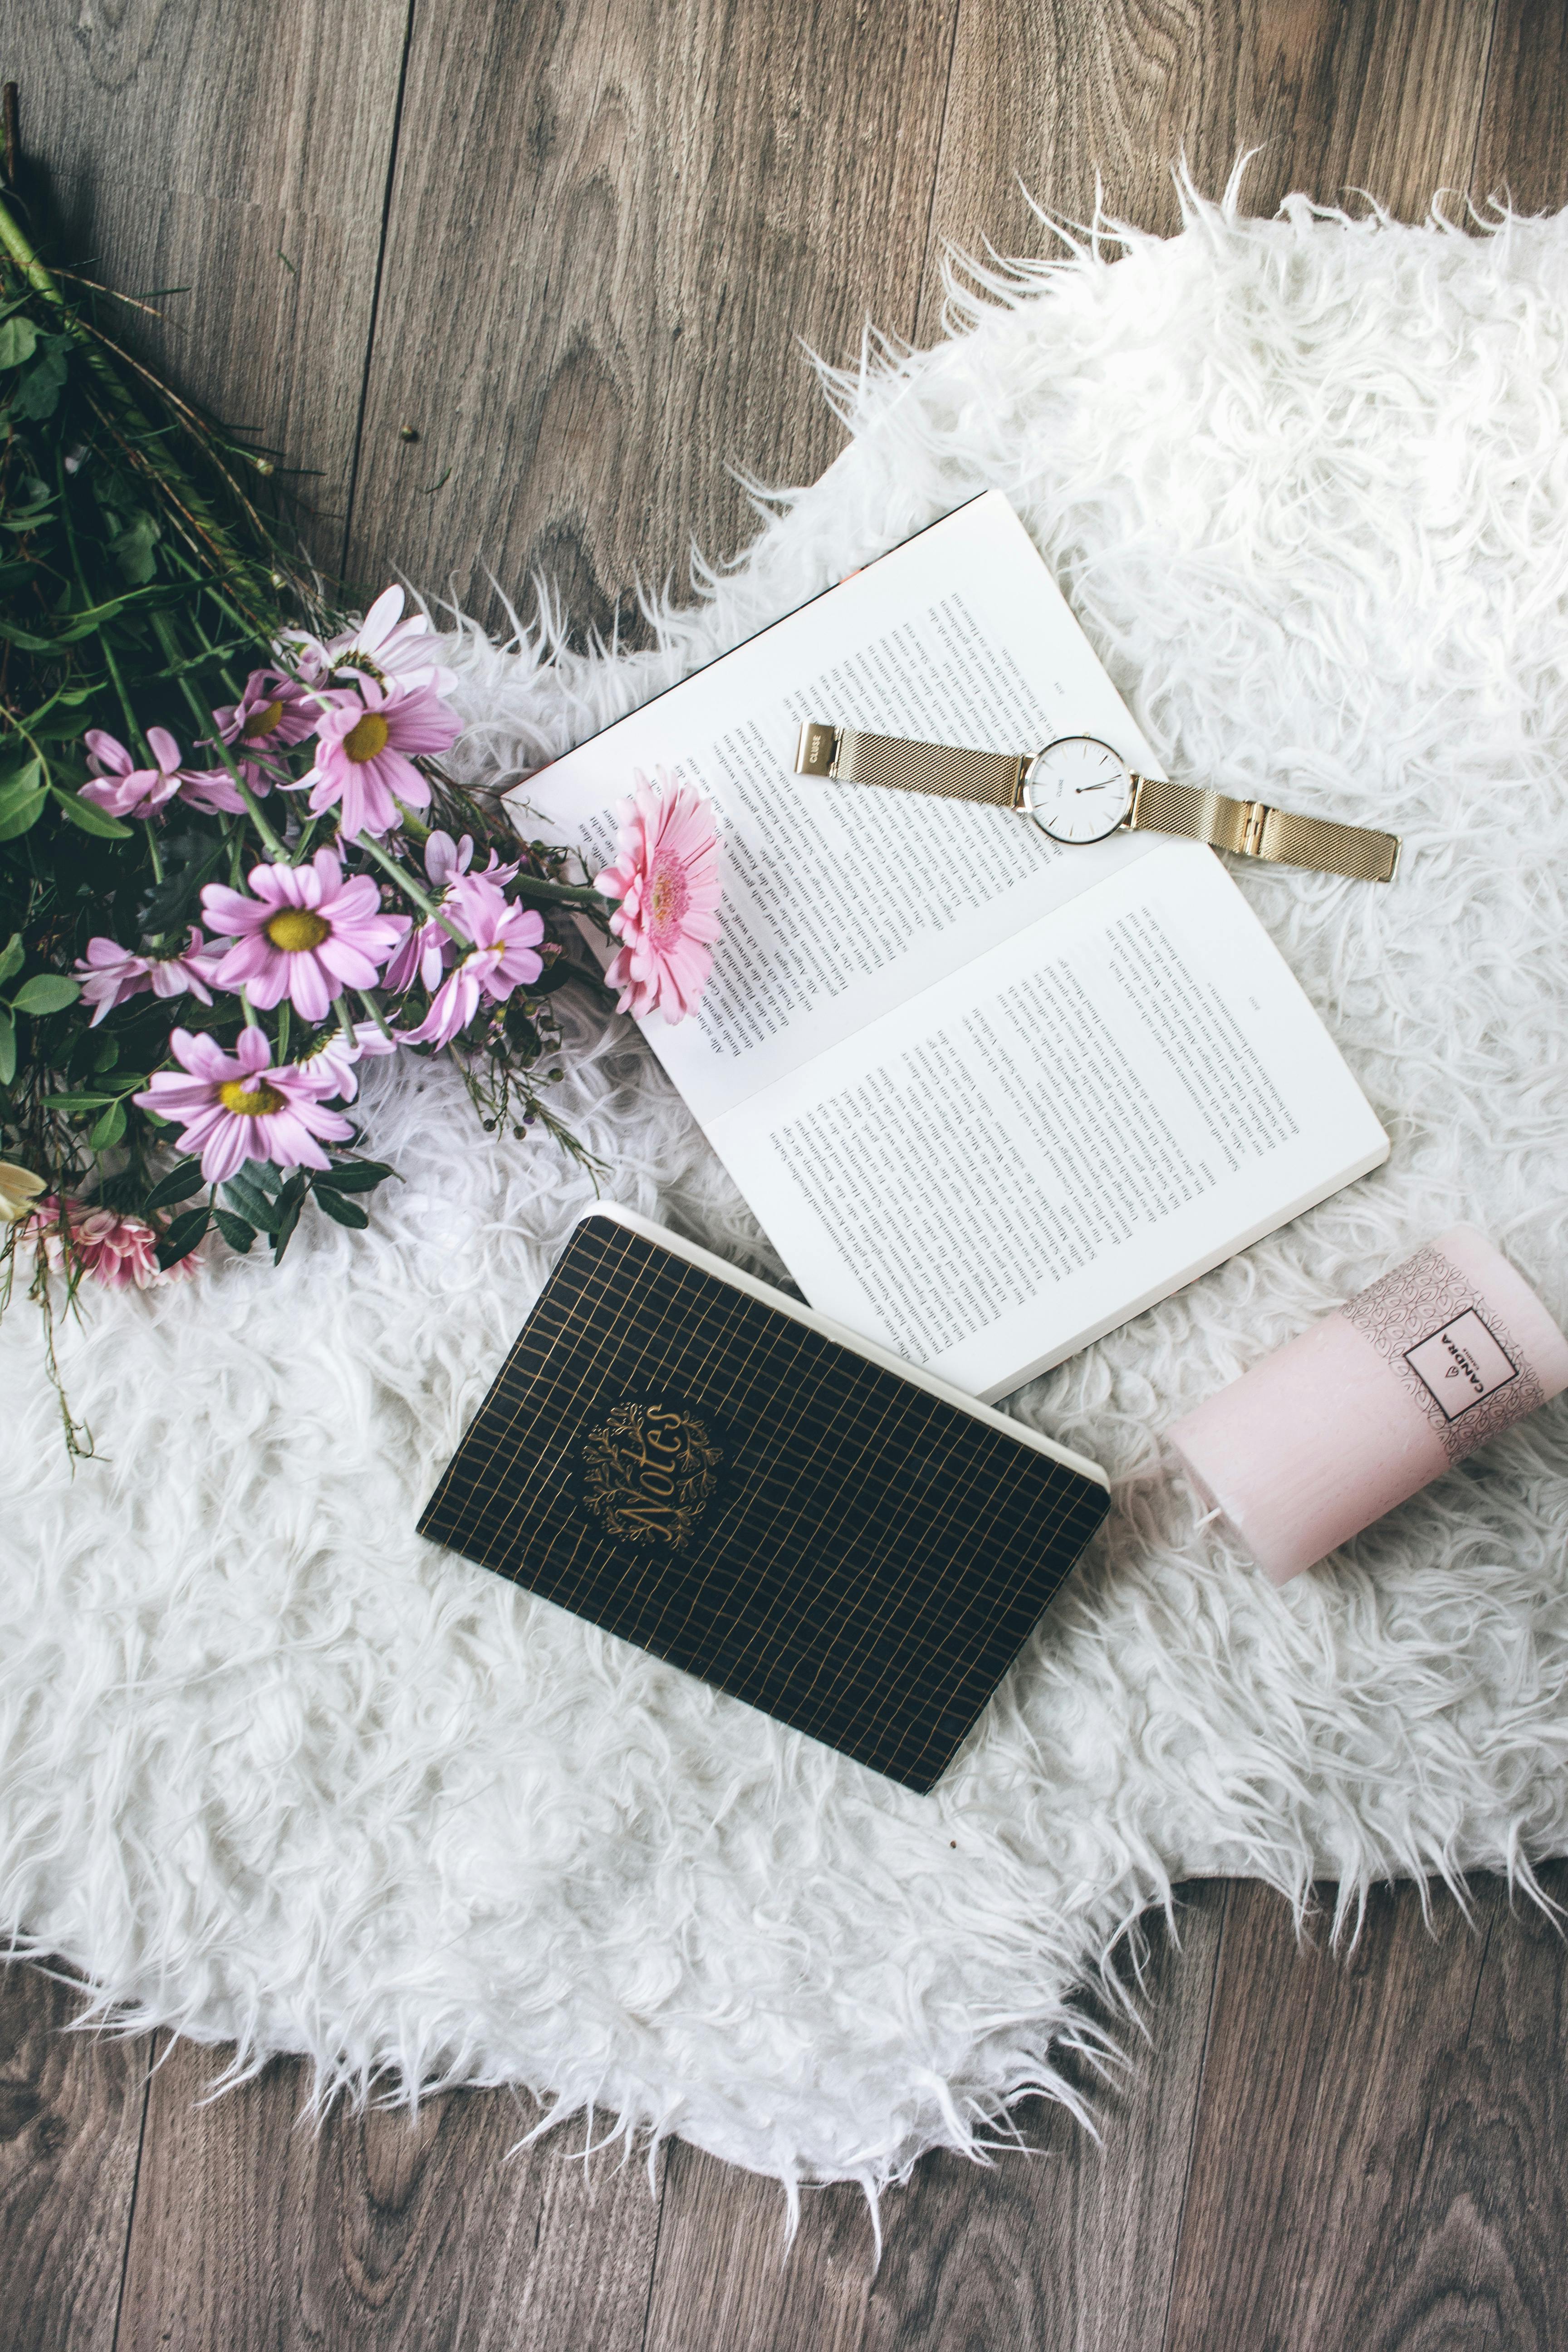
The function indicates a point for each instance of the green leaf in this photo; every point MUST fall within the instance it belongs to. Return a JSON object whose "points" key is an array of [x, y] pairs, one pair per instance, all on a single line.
{"points": [[24, 519], [353, 1176], [29, 641], [234, 1231], [132, 548], [182, 1236], [18, 817], [91, 819], [11, 956], [107, 1056], [7, 1049], [110, 1128], [47, 992], [290, 1202], [77, 1100], [252, 1203], [341, 1212], [18, 341], [61, 724], [178, 1185], [37, 393]]}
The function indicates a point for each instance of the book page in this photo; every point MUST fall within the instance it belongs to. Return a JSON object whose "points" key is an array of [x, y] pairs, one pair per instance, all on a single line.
{"points": [[841, 902], [1100, 1107]]}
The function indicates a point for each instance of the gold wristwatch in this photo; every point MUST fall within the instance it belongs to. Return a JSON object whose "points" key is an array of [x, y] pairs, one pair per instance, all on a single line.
{"points": [[1079, 789]]}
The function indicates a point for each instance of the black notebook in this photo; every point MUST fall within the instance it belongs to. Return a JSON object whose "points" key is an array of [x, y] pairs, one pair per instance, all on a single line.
{"points": [[707, 1468]]}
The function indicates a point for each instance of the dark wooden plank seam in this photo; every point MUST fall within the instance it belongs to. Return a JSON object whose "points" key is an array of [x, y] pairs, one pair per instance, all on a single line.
{"points": [[924, 279], [1181, 2229], [658, 2240], [1485, 1955], [1470, 197], [135, 2188], [376, 287]]}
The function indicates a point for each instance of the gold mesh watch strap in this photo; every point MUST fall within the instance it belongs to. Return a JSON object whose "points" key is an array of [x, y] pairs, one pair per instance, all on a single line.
{"points": [[1253, 829], [851, 757], [1248, 828]]}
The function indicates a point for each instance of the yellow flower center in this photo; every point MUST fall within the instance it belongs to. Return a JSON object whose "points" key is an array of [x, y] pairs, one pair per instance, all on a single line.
{"points": [[250, 1098], [261, 722], [295, 929], [366, 737], [669, 896]]}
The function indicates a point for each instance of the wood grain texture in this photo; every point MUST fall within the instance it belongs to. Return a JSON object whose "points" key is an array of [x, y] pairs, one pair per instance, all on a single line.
{"points": [[1346, 2186], [70, 2126], [1498, 2139], [1072, 2244], [258, 2232], [1523, 151], [613, 224], [610, 225], [1340, 95], [238, 152]]}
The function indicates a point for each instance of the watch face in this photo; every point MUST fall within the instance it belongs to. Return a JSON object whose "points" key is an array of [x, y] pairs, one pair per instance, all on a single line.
{"points": [[1078, 789]]}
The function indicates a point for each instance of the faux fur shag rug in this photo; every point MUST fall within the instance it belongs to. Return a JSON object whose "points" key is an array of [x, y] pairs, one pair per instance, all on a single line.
{"points": [[275, 1771]]}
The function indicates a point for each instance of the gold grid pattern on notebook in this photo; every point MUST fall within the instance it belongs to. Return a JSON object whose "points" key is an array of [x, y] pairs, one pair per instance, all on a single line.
{"points": [[874, 1556]]}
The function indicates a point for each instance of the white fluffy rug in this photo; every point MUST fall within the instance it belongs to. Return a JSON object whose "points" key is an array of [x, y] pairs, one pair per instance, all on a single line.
{"points": [[276, 1772]]}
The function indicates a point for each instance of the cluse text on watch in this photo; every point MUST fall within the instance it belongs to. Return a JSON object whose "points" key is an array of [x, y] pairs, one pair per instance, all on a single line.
{"points": [[1079, 789]]}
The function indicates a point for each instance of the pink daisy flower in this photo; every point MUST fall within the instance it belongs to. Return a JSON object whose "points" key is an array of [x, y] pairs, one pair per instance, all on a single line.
{"points": [[385, 645], [429, 949], [666, 877], [108, 973], [121, 1252], [273, 713], [503, 958], [235, 1107], [305, 934], [120, 788], [365, 745]]}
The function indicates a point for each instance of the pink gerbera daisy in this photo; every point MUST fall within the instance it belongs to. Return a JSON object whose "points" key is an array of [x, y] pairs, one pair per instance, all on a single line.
{"points": [[366, 741], [666, 877], [504, 957], [108, 973], [306, 934], [235, 1107], [273, 713], [120, 788], [121, 1252]]}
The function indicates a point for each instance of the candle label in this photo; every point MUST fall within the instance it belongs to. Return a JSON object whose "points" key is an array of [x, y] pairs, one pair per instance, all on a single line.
{"points": [[1449, 1349]]}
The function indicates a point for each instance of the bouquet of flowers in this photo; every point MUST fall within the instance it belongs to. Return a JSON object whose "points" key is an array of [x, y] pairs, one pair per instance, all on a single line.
{"points": [[232, 865]]}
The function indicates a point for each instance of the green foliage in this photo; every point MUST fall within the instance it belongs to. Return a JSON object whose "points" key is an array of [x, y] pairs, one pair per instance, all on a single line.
{"points": [[148, 569]]}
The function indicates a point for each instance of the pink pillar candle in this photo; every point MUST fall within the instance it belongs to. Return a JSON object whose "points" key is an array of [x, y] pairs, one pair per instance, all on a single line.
{"points": [[1374, 1402]]}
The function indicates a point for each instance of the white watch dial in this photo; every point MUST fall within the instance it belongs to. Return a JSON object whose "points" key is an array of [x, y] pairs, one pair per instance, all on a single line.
{"points": [[1078, 789]]}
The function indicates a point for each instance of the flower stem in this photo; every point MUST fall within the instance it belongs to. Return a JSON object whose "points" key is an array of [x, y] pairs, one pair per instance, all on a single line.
{"points": [[153, 852], [345, 1019], [373, 1006], [563, 894]]}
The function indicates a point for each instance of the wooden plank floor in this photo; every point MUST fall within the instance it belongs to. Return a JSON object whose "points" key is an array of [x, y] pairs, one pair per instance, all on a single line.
{"points": [[574, 250]]}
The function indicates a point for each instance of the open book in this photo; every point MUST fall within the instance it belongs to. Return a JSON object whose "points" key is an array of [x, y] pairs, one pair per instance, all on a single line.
{"points": [[989, 1097]]}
